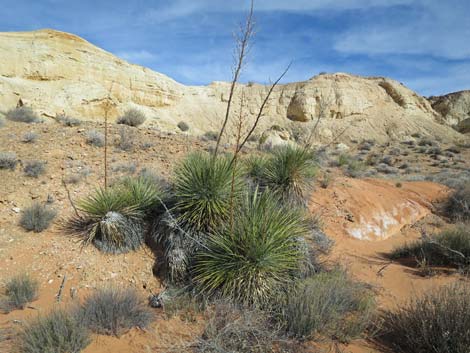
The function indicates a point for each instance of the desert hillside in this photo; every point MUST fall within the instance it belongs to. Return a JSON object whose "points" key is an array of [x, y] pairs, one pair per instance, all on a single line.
{"points": [[57, 72]]}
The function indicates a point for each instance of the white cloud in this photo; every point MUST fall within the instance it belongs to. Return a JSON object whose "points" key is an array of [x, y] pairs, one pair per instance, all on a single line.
{"points": [[442, 30]]}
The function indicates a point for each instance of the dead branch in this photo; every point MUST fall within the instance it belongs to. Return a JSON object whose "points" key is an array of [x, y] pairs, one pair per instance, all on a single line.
{"points": [[61, 288], [241, 49], [70, 198]]}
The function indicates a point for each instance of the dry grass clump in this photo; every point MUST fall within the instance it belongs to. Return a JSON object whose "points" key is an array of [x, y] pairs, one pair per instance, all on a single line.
{"points": [[37, 217], [34, 168], [438, 321], [132, 117], [328, 304], [113, 311], [30, 137], [19, 291], [69, 121], [233, 329], [22, 114], [95, 138], [458, 204], [56, 332], [8, 160], [448, 248]]}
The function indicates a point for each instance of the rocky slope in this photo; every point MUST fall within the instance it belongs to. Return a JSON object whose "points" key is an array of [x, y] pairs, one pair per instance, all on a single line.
{"points": [[454, 108], [57, 72]]}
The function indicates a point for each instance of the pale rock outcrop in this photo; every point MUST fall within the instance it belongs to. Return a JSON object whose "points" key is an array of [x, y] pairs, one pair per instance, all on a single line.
{"points": [[56, 72], [454, 107]]}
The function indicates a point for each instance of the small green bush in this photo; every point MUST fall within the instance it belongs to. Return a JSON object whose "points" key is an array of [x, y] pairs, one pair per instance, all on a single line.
{"points": [[8, 160], [210, 136], [290, 172], [22, 114], [183, 126], [247, 262], [132, 117], [68, 121], [113, 311], [30, 137], [37, 217], [19, 290], [448, 248], [57, 332], [95, 138], [457, 206], [34, 168], [327, 304], [438, 321]]}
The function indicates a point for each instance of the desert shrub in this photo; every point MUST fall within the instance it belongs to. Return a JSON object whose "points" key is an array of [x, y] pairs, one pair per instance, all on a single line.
{"points": [[127, 139], [132, 117], [37, 217], [8, 160], [112, 218], [261, 252], [183, 126], [30, 137], [438, 321], [34, 168], [95, 138], [125, 168], [457, 206], [19, 291], [2, 122], [113, 311], [22, 114], [327, 304], [203, 190], [210, 136], [179, 301], [57, 332], [290, 172], [448, 248], [235, 330], [68, 121]]}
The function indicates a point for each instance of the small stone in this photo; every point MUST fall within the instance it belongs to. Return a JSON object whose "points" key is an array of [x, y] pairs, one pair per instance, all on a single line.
{"points": [[16, 209]]}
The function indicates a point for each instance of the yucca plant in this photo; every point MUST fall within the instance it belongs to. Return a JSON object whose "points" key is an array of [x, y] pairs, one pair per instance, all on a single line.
{"points": [[255, 166], [247, 261], [112, 219], [203, 190], [290, 172]]}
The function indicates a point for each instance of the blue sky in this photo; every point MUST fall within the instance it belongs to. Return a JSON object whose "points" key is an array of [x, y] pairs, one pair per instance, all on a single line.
{"points": [[423, 43]]}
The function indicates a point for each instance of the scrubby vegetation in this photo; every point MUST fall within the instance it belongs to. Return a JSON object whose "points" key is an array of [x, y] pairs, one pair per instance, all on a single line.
{"points": [[458, 204], [183, 126], [56, 332], [290, 172], [30, 137], [34, 168], [132, 117], [436, 322], [112, 219], [248, 259], [19, 291], [113, 311], [37, 217], [127, 139], [448, 248], [22, 114], [69, 121], [95, 138], [327, 304], [210, 136], [8, 160]]}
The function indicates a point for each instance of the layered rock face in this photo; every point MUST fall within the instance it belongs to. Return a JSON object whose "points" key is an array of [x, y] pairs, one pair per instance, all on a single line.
{"points": [[454, 107], [57, 72]]}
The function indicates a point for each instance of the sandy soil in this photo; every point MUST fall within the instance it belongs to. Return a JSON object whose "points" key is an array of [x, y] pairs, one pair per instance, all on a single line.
{"points": [[346, 205]]}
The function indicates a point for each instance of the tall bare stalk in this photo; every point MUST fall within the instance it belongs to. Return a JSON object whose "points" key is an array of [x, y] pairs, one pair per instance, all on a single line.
{"points": [[241, 50], [107, 107]]}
